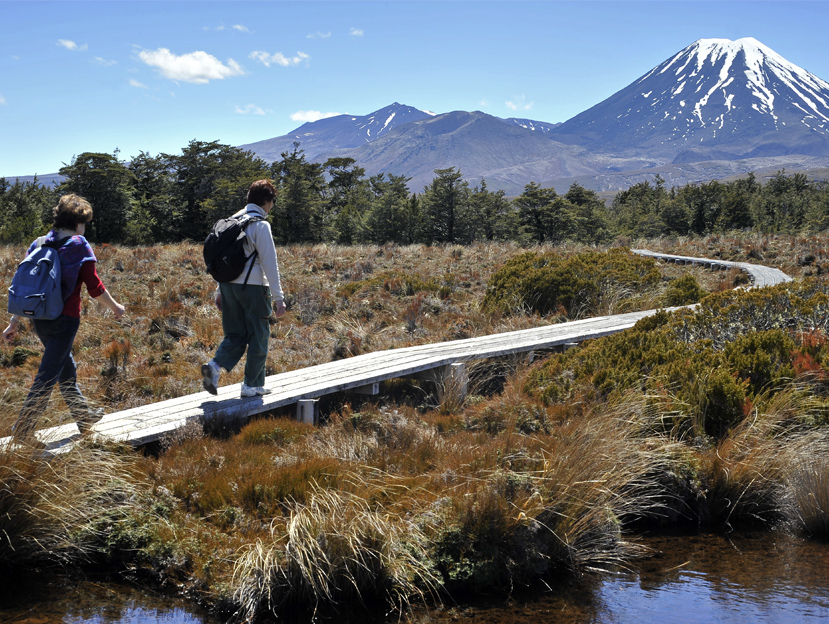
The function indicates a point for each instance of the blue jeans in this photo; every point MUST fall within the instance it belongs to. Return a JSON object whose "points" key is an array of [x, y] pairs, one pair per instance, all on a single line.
{"points": [[57, 366], [245, 314]]}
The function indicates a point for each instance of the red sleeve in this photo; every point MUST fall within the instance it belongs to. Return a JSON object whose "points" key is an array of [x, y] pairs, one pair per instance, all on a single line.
{"points": [[89, 276]]}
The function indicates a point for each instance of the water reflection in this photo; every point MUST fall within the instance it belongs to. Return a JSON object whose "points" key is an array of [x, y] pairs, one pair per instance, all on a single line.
{"points": [[762, 579], [89, 602]]}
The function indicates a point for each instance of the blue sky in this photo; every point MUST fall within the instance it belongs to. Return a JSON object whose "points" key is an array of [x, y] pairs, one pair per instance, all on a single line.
{"points": [[152, 75]]}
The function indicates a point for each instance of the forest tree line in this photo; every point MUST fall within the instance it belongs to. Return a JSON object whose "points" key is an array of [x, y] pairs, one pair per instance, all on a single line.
{"points": [[171, 198]]}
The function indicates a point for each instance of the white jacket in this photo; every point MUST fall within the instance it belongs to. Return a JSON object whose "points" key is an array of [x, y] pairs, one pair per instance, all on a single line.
{"points": [[265, 270]]}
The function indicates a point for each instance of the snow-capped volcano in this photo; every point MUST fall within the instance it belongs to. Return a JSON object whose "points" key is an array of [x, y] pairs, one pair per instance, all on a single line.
{"points": [[717, 98]]}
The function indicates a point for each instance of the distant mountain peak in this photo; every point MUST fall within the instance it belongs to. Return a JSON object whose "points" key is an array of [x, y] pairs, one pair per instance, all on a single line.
{"points": [[717, 98], [760, 65], [342, 131]]}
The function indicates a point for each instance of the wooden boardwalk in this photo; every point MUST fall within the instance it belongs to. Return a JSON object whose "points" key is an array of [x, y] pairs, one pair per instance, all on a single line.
{"points": [[760, 275], [442, 361]]}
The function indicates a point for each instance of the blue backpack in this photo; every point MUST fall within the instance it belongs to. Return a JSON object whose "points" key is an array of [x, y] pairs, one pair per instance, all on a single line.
{"points": [[35, 291]]}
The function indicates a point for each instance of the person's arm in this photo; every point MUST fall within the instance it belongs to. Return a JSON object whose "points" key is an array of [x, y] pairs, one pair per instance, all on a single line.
{"points": [[263, 240], [95, 287], [109, 302], [10, 332]]}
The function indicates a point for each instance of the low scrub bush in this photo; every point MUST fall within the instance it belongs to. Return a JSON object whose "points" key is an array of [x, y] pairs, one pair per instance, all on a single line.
{"points": [[576, 286], [683, 291], [716, 383]]}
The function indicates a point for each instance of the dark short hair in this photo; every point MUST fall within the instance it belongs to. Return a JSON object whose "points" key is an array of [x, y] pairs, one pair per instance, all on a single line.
{"points": [[261, 192], [71, 210]]}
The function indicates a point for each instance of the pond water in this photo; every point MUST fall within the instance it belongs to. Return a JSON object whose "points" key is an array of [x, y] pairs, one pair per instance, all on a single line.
{"points": [[762, 579]]}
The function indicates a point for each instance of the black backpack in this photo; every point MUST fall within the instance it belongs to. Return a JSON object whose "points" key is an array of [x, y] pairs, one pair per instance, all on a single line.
{"points": [[224, 251]]}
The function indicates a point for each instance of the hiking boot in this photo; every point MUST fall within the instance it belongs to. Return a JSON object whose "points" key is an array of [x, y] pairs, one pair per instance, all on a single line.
{"points": [[95, 414], [210, 376], [251, 391]]}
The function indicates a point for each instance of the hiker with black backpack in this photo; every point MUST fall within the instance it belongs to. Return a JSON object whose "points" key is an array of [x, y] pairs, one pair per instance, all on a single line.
{"points": [[57, 333], [249, 290]]}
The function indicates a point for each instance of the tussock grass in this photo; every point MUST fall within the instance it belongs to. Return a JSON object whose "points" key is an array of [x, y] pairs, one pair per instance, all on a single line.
{"points": [[50, 509], [807, 485], [331, 550]]}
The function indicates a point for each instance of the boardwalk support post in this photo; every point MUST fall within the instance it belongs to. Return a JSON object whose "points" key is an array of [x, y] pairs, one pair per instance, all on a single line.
{"points": [[306, 411]]}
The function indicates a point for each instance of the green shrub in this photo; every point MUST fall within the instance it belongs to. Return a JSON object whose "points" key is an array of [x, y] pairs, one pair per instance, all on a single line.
{"points": [[764, 358], [683, 291], [714, 383], [550, 283]]}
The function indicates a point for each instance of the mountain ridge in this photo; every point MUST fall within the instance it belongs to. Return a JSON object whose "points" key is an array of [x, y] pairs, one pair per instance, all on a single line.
{"points": [[715, 109]]}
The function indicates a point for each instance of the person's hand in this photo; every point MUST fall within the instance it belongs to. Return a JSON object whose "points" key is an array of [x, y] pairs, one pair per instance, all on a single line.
{"points": [[218, 300], [118, 310], [279, 309], [10, 332]]}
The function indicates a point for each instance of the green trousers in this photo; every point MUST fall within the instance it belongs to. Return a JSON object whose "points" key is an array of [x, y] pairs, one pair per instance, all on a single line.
{"points": [[245, 313]]}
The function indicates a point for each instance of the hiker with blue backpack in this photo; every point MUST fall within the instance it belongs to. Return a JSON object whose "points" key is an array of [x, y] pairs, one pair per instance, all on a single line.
{"points": [[241, 256], [56, 328]]}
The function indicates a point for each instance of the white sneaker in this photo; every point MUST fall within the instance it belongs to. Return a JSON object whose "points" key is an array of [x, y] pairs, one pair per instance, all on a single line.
{"points": [[210, 376], [250, 391]]}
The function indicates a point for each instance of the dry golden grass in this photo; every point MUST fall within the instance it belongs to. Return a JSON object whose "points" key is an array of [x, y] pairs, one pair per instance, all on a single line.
{"points": [[402, 496], [51, 511], [171, 326]]}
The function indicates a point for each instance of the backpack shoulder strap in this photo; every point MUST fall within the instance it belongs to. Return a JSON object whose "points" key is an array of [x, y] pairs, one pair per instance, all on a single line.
{"points": [[249, 218], [245, 220], [56, 244]]}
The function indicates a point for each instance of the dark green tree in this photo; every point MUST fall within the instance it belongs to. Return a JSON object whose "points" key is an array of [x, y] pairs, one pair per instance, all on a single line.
{"points": [[703, 205], [155, 209], [493, 217], [210, 182], [390, 218], [298, 212], [348, 200], [637, 211], [108, 185], [25, 210], [588, 215], [536, 212], [817, 216], [736, 203], [783, 203], [445, 208]]}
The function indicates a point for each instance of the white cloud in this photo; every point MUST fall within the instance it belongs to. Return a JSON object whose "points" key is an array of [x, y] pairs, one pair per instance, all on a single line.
{"points": [[2, 100], [278, 59], [318, 35], [137, 85], [236, 27], [71, 45], [197, 67], [104, 62], [250, 109], [483, 103], [356, 32], [311, 115], [519, 104]]}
